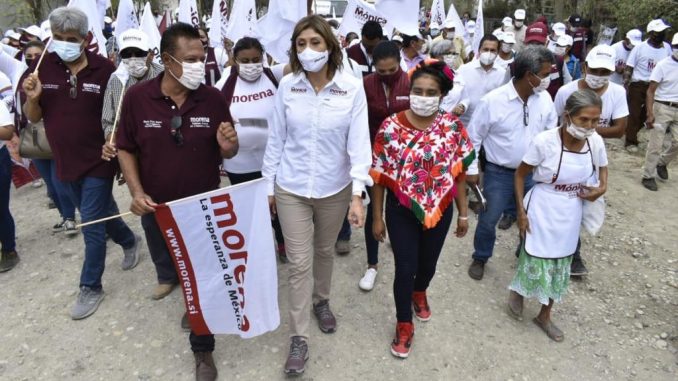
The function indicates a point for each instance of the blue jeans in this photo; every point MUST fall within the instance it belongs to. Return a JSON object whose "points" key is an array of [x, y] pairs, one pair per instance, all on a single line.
{"points": [[93, 197], [7, 228], [345, 232], [55, 188], [498, 190]]}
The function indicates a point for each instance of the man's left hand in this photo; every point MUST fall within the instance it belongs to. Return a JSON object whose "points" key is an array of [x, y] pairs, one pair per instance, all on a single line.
{"points": [[227, 138]]}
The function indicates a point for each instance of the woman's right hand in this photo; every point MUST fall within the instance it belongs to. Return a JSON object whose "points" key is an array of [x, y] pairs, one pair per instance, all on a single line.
{"points": [[379, 229], [523, 224], [271, 206]]}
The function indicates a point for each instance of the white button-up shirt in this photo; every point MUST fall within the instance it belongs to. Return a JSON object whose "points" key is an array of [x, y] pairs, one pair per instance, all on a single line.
{"points": [[498, 125], [319, 143], [475, 82]]}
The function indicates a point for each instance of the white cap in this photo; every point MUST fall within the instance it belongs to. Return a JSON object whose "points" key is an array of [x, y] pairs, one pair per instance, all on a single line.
{"points": [[657, 25], [507, 21], [133, 38], [434, 25], [46, 29], [449, 24], [498, 33], [470, 25], [559, 28], [108, 20], [635, 36], [519, 14], [15, 36], [564, 40], [601, 57], [508, 37], [33, 30], [398, 38], [675, 39]]}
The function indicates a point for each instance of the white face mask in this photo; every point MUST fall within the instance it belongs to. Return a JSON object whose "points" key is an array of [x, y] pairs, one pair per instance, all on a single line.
{"points": [[559, 50], [543, 84], [518, 24], [450, 60], [487, 58], [424, 106], [312, 60], [449, 35], [192, 73], [579, 133], [675, 53], [596, 81], [435, 32], [136, 66], [506, 48], [251, 71]]}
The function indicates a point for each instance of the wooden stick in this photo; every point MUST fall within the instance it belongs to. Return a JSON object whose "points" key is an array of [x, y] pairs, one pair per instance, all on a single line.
{"points": [[117, 114], [41, 56], [103, 219]]}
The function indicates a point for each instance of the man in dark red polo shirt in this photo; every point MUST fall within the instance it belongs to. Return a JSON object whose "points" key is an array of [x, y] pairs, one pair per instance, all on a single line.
{"points": [[371, 35], [173, 134], [68, 95]]}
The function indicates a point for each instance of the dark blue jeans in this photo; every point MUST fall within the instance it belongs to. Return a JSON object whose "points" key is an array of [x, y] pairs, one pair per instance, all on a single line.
{"points": [[498, 190], [371, 244], [93, 197], [7, 228], [55, 188], [345, 232]]}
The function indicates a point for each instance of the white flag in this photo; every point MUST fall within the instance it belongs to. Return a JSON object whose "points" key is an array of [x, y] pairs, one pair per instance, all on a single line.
{"points": [[102, 6], [221, 243], [149, 27], [453, 16], [98, 42], [188, 13], [277, 25], [127, 17], [480, 30], [218, 23], [402, 14], [243, 20], [438, 12], [358, 12]]}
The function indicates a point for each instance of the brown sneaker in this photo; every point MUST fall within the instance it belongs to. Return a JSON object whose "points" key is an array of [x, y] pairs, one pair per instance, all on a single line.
{"points": [[342, 247], [185, 323], [205, 370], [162, 290], [477, 269], [296, 360], [8, 260], [326, 320]]}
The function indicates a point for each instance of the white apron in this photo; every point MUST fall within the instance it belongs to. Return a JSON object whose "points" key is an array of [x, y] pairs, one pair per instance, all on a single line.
{"points": [[554, 211]]}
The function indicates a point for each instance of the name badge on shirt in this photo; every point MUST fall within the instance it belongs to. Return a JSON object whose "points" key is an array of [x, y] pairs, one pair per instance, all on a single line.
{"points": [[402, 98], [253, 122], [91, 88], [152, 123], [199, 122], [50, 86]]}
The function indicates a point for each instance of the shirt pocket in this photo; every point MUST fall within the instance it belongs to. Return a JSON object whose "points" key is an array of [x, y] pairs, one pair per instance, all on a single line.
{"points": [[335, 114]]}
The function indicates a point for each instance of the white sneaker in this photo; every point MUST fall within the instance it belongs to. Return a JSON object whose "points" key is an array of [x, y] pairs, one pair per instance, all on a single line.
{"points": [[367, 281]]}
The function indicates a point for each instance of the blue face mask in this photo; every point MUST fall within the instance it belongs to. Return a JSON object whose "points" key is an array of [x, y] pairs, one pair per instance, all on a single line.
{"points": [[67, 51]]}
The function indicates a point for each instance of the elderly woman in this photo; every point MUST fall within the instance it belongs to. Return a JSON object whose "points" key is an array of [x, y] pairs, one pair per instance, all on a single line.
{"points": [[316, 162], [569, 166], [420, 155], [443, 50]]}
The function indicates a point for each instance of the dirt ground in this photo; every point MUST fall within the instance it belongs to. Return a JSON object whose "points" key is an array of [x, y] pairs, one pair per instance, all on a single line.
{"points": [[620, 322]]}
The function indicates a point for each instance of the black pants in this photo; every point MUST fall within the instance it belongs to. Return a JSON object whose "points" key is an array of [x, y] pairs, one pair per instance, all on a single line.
{"points": [[415, 252], [371, 244], [237, 178]]}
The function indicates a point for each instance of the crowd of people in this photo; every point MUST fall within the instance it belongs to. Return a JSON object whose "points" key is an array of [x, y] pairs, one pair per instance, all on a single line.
{"points": [[376, 130]]}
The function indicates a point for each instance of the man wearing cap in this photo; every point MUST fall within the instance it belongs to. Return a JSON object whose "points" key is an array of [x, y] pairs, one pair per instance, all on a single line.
{"points": [[662, 118], [623, 49], [506, 23], [506, 53], [449, 33], [468, 39], [579, 36], [536, 34], [518, 29], [558, 29], [67, 94], [642, 60]]}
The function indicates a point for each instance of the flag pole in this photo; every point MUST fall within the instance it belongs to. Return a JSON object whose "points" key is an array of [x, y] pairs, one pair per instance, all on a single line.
{"points": [[42, 55], [103, 219], [117, 114]]}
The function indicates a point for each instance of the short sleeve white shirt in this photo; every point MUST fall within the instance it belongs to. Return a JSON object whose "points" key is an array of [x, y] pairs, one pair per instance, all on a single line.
{"points": [[622, 55], [475, 83], [643, 58], [614, 102], [666, 75]]}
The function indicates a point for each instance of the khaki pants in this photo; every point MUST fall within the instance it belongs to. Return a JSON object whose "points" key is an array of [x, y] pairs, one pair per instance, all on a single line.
{"points": [[310, 227], [659, 153]]}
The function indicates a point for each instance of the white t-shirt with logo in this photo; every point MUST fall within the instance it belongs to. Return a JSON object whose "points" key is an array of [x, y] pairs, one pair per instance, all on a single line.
{"points": [[614, 102], [252, 106], [643, 58], [6, 119], [622, 55], [666, 74]]}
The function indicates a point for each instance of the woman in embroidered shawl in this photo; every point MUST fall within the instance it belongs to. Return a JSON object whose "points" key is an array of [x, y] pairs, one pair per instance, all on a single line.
{"points": [[420, 155]]}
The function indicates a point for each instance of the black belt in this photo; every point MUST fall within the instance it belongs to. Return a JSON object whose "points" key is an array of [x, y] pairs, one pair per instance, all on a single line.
{"points": [[670, 104]]}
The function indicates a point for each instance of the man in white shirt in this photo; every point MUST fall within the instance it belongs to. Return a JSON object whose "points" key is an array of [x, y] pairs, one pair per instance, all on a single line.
{"points": [[623, 49], [504, 124], [662, 118], [506, 53], [479, 77], [518, 29], [639, 65], [558, 29]]}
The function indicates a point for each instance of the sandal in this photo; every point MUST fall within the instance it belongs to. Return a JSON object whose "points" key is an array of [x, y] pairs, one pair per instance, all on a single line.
{"points": [[553, 332], [516, 314]]}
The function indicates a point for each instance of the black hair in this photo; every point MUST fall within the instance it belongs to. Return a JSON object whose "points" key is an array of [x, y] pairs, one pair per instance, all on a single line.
{"points": [[333, 23], [531, 59], [384, 50], [372, 30], [351, 36], [408, 40], [168, 41], [489, 37], [35, 44], [247, 43], [435, 69]]}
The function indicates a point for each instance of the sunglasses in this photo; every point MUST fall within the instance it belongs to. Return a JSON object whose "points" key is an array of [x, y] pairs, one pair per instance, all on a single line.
{"points": [[175, 123], [133, 53], [73, 91], [526, 115]]}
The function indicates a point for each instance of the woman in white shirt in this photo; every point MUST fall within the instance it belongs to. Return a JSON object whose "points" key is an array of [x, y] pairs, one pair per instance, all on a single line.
{"points": [[563, 161], [250, 89], [317, 160], [8, 255]]}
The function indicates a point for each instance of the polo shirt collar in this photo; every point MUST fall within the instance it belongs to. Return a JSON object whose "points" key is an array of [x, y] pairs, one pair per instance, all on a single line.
{"points": [[156, 90], [92, 62]]}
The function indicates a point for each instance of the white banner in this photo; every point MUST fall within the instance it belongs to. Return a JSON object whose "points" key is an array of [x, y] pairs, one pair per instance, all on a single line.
{"points": [[188, 13], [438, 13], [126, 18], [453, 16], [277, 25], [149, 27], [218, 23], [221, 243], [480, 29], [401, 14], [357, 13], [98, 42], [243, 20]]}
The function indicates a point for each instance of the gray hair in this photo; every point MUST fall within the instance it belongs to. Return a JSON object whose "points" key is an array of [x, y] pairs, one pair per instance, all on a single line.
{"points": [[531, 59], [581, 99], [69, 19], [440, 47]]}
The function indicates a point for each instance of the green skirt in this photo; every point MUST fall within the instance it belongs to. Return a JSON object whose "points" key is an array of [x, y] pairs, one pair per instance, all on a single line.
{"points": [[541, 278]]}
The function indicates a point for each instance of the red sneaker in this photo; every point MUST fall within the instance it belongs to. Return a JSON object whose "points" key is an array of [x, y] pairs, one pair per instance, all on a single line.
{"points": [[402, 342], [420, 306]]}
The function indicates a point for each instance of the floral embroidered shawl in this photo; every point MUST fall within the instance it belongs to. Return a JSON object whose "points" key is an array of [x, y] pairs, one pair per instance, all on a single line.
{"points": [[420, 167]]}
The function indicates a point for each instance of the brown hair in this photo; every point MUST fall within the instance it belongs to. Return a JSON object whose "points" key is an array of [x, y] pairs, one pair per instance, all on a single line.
{"points": [[320, 26]]}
